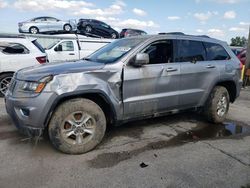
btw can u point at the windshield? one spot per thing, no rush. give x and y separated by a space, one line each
52 45
115 50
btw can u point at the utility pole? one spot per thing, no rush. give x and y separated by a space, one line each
247 64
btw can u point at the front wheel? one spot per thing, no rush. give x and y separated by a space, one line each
88 29
34 30
5 80
114 36
217 105
77 126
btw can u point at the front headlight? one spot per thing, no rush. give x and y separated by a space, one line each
36 87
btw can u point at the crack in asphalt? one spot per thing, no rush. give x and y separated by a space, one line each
227 154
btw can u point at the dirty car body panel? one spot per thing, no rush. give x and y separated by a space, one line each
132 92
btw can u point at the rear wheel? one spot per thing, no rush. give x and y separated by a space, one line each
34 30
67 27
77 126
217 105
5 80
88 29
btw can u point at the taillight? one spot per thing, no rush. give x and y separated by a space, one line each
241 66
126 33
41 59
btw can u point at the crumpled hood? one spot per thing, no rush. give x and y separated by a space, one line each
36 73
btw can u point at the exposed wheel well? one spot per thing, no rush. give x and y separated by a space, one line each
9 72
95 97
231 88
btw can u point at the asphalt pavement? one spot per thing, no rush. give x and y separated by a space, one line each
180 150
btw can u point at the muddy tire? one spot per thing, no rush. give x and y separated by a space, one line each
77 126
5 80
217 105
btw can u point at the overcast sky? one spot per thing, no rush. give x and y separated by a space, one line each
222 19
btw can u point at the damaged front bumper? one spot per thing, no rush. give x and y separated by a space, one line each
29 114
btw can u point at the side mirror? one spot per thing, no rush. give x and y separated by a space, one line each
141 59
58 48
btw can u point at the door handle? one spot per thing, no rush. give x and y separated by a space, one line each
210 66
171 69
71 53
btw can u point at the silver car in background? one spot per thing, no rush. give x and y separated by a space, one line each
46 24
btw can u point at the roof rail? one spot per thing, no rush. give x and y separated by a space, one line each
171 33
202 36
180 33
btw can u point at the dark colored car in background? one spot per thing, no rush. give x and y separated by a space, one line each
236 49
242 56
131 32
96 27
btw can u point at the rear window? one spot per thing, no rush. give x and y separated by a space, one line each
38 46
13 48
190 51
215 52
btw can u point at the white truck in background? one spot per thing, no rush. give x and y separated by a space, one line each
74 49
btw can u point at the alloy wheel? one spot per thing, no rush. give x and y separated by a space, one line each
34 30
88 29
67 28
222 106
4 84
78 128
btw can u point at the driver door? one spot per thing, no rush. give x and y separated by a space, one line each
154 87
64 51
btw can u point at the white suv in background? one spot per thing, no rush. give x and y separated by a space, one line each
17 52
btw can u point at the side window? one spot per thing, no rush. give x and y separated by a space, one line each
13 48
104 25
160 52
67 46
189 50
51 19
40 20
215 52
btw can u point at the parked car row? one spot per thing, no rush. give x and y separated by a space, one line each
84 26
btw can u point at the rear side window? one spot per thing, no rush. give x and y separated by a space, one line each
215 52
190 51
13 48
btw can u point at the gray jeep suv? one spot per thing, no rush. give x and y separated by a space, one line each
132 78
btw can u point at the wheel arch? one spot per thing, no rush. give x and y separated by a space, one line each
7 72
231 88
67 24
99 97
